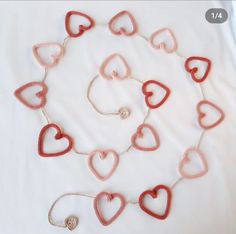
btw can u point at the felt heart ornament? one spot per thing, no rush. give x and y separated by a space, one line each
109 198
41 95
58 136
149 94
122 30
154 193
168 44
202 115
103 155
140 134
186 160
194 70
81 27
53 59
114 74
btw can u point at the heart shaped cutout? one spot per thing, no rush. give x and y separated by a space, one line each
140 134
41 95
154 194
104 154
186 159
149 94
193 70
58 136
81 28
163 44
202 115
114 74
109 197
122 30
54 58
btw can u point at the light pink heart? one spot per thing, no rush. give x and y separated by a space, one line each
114 74
162 45
186 160
103 155
55 56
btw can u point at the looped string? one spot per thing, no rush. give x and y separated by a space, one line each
71 222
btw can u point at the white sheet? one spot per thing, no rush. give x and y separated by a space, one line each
29 183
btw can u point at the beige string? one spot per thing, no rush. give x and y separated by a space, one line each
123 112
54 223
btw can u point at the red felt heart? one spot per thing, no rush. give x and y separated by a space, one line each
122 29
81 28
202 115
58 136
149 94
154 194
110 197
40 95
193 70
139 134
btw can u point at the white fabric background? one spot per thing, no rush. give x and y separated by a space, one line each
29 183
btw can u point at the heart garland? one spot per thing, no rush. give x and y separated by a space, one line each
81 28
54 57
194 70
72 221
58 136
149 94
162 45
122 30
202 115
139 134
103 155
154 194
40 95
114 74
110 197
186 160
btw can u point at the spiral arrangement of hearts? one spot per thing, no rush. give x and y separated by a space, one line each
149 90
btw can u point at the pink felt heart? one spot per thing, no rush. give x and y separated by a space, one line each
140 134
41 95
122 30
109 197
163 45
186 160
55 57
202 115
104 154
114 74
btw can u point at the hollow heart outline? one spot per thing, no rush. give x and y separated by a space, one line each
194 70
122 30
58 136
162 45
41 94
148 94
110 197
139 134
186 159
154 194
55 57
103 154
201 115
81 28
114 74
